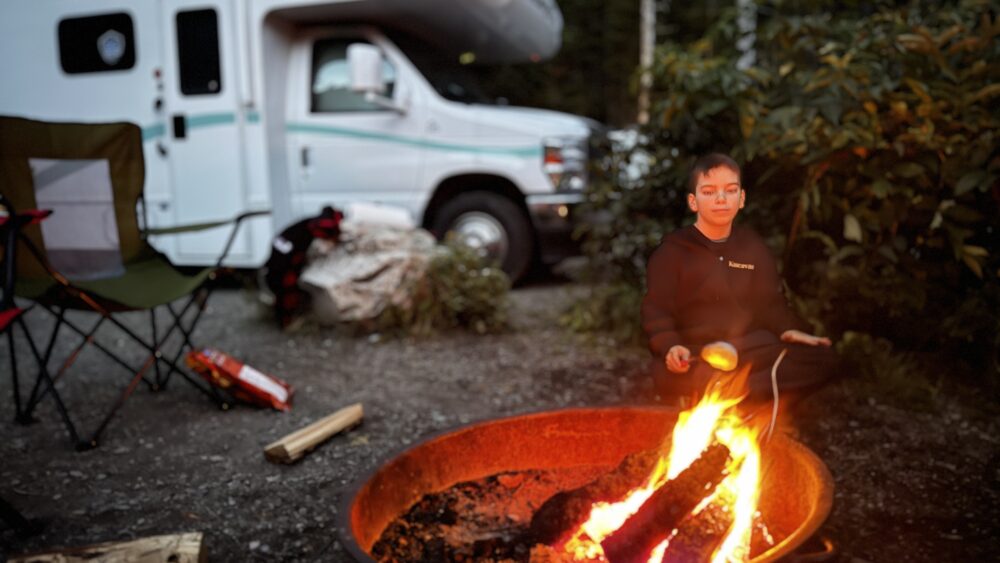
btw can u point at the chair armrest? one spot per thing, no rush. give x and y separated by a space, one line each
195 227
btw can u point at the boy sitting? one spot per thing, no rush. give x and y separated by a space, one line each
715 281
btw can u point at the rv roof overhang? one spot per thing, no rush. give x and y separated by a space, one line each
495 31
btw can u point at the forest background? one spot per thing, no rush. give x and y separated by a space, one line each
868 132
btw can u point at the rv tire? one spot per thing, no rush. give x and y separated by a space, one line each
494 225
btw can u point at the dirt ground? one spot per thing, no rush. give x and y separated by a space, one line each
910 485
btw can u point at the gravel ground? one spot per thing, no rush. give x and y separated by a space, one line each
910 486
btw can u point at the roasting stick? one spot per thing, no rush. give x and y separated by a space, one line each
295 445
774 388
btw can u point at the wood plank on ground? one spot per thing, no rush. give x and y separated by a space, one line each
295 445
177 548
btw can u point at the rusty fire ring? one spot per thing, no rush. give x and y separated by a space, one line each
383 493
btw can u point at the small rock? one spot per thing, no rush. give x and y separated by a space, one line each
254 545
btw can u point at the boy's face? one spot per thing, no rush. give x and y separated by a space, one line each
717 196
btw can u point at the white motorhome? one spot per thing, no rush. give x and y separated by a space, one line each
257 104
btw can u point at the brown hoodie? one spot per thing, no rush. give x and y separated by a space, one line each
699 291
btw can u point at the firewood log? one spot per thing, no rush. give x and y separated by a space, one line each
662 511
565 511
699 535
292 447
182 548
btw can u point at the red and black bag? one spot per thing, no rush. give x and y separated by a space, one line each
242 381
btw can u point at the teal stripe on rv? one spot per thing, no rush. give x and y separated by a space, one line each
208 119
153 131
526 152
195 121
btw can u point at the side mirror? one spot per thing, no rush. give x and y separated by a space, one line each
365 63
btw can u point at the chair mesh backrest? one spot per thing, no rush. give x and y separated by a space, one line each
91 176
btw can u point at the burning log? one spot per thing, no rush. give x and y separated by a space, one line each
666 508
699 535
564 512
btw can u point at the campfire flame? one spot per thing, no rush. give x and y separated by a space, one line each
714 418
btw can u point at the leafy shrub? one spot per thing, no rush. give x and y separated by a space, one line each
871 161
612 309
459 292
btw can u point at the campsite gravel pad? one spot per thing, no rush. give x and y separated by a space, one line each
910 486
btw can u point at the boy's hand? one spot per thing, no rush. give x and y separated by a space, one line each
799 337
678 359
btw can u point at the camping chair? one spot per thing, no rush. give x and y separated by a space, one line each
93 254
11 315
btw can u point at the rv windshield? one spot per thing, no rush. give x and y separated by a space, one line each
453 81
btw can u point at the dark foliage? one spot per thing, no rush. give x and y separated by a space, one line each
872 166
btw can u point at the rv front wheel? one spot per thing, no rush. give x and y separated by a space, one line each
493 225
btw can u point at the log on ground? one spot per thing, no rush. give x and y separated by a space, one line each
179 548
292 447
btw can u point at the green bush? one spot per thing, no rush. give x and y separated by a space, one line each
871 161
459 292
612 309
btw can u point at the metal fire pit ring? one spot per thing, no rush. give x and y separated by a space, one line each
796 494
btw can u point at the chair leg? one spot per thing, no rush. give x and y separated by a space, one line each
95 437
156 354
201 298
37 394
186 332
185 336
43 375
156 344
88 338
18 415
32 400
45 384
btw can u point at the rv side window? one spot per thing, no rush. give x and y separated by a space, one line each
96 43
198 52
331 79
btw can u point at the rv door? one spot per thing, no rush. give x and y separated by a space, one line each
205 146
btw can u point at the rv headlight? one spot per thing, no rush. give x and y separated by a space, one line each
564 161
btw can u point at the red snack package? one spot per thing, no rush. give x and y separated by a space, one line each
244 382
